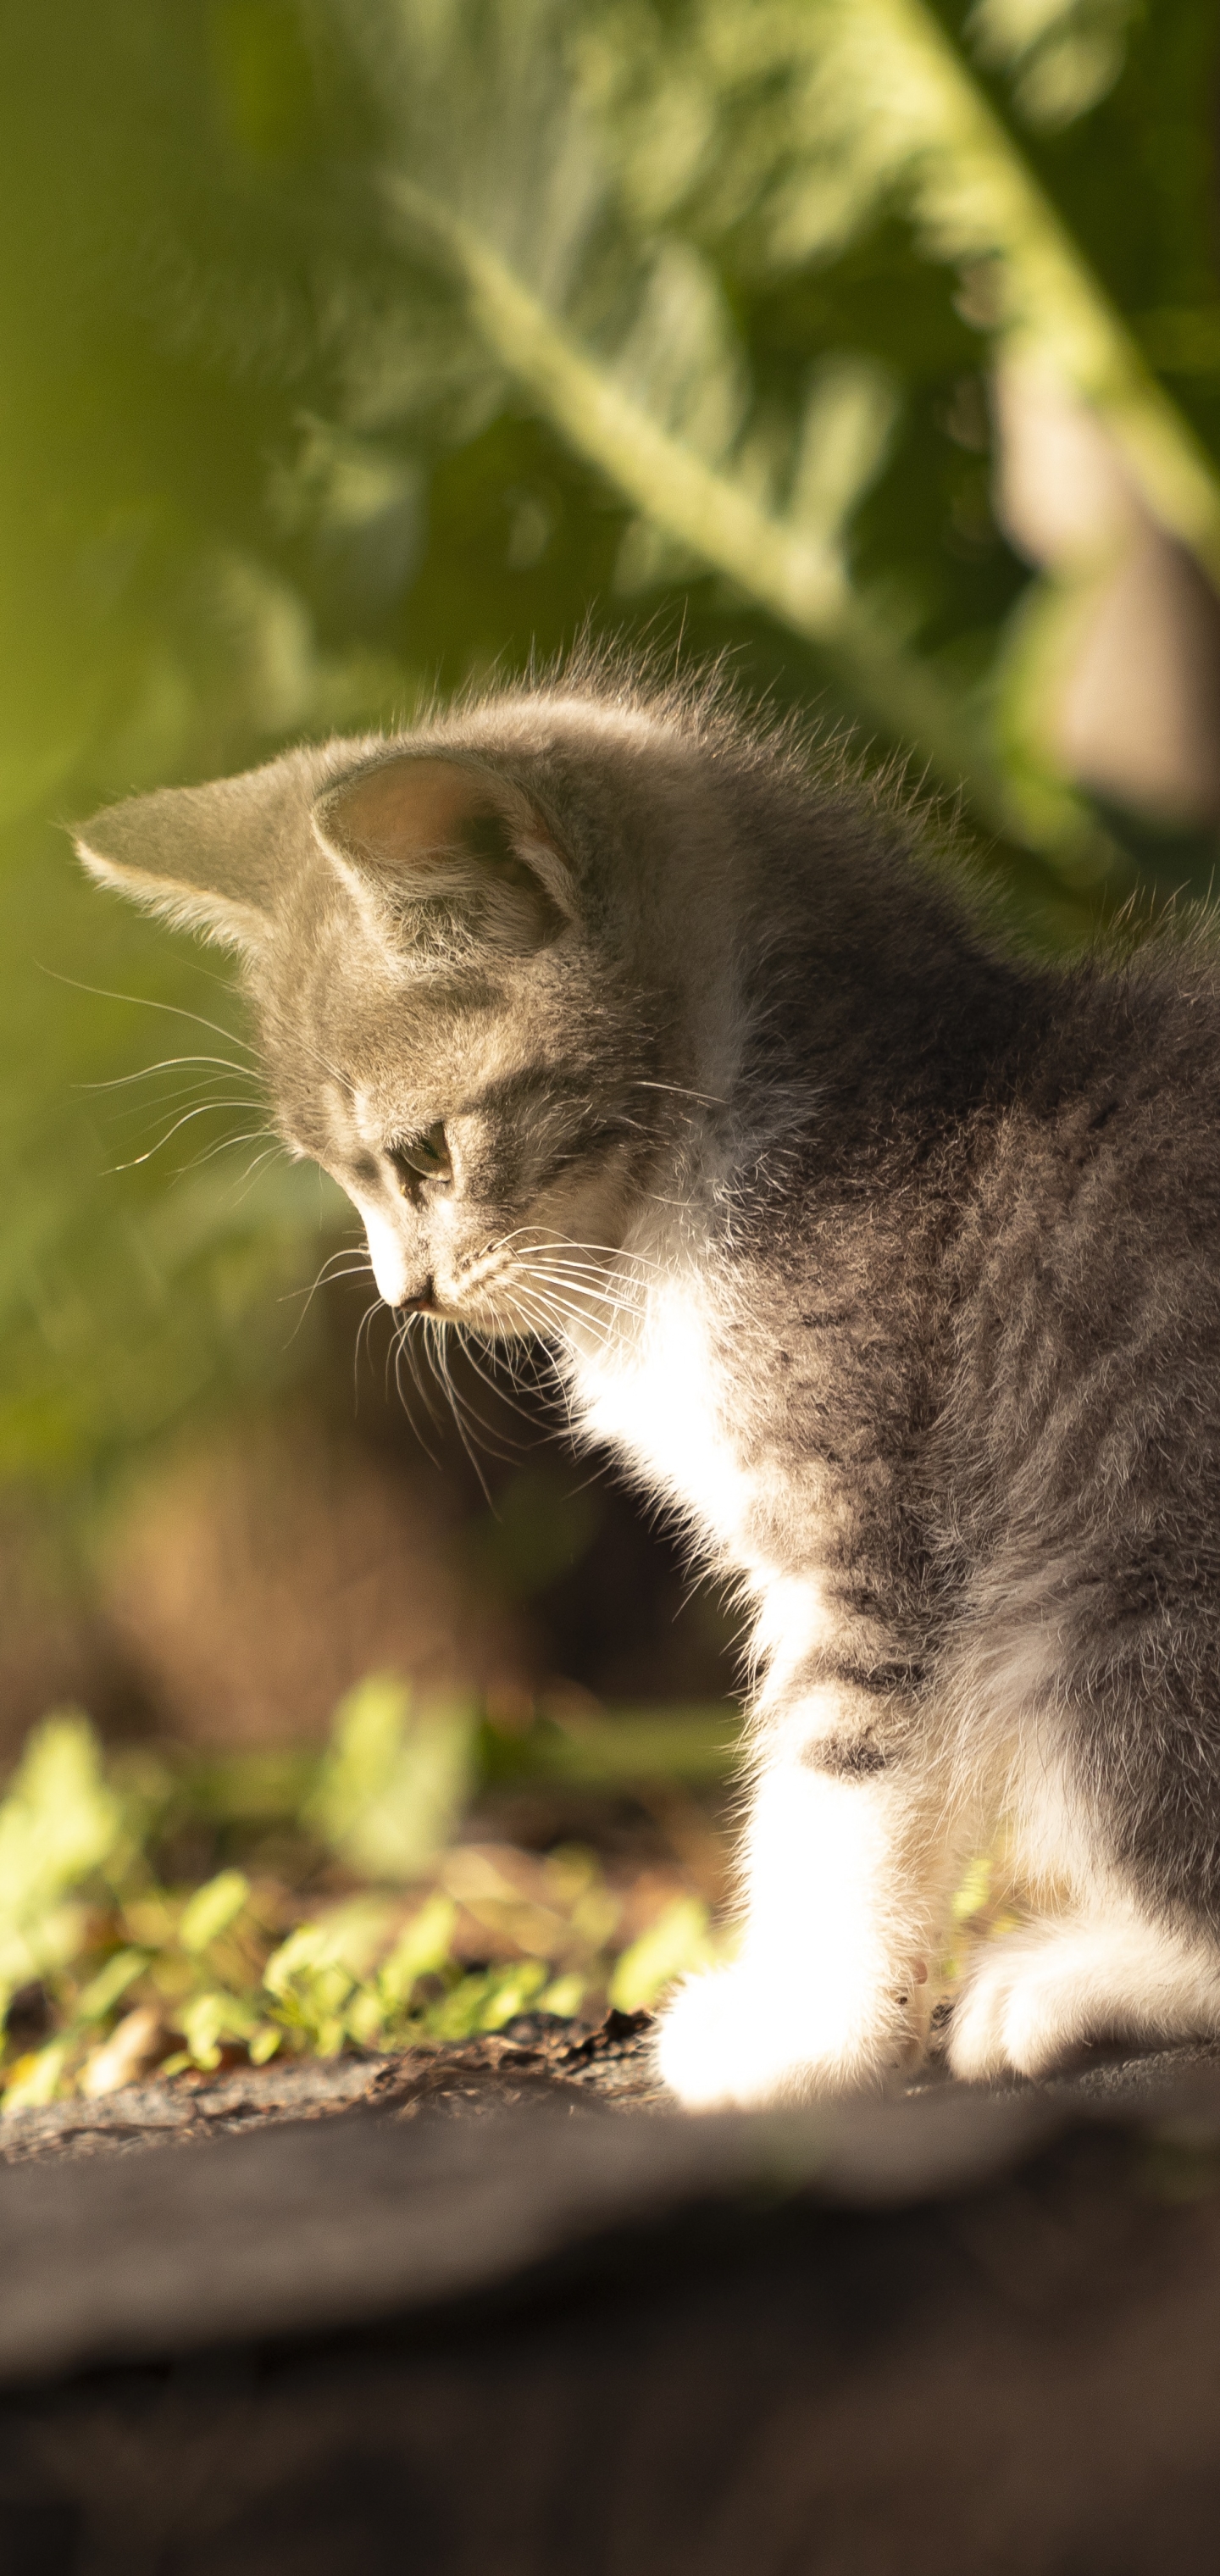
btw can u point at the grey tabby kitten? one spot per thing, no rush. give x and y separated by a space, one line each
890 1261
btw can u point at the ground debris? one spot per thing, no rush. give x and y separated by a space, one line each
536 2056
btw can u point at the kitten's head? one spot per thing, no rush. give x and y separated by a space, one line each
474 966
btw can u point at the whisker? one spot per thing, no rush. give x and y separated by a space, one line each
177 1092
165 1064
271 1154
434 1333
229 1144
558 1393
463 1406
630 1295
177 1010
322 1277
401 1347
470 1338
353 1251
498 1440
709 1099
578 1287
201 1111
568 1243
361 1329
408 1345
143 1001
562 1302
588 1291
553 1326
358 1270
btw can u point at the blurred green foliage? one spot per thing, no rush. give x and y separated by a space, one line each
362 1913
163 1911
393 1781
353 347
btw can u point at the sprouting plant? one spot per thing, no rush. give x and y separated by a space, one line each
382 1924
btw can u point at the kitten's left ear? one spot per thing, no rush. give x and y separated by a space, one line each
211 858
423 841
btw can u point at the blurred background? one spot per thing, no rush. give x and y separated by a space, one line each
357 348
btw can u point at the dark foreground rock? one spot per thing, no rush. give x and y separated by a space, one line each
963 2331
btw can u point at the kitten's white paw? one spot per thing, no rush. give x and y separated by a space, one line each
734 2038
1037 1998
1024 2011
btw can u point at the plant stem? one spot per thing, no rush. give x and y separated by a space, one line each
978 198
804 585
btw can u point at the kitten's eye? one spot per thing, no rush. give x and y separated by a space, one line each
421 1158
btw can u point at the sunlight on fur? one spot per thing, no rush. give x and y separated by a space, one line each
886 1260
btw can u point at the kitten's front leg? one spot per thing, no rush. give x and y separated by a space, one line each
848 1868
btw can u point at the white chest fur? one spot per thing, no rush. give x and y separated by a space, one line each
656 1394
652 1392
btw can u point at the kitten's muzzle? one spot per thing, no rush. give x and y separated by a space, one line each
418 1301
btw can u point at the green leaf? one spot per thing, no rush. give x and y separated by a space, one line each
395 1780
211 2017
35 2080
58 1825
678 1942
103 1990
314 1977
1063 54
487 2001
420 1951
344 1940
564 1997
212 1909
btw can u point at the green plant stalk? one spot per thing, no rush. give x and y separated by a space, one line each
692 1745
970 184
804 585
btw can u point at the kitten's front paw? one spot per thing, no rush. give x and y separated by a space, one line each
734 2039
1035 2000
1022 2013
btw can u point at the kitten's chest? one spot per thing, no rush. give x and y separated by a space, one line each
658 1392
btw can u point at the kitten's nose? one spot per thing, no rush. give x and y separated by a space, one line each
416 1301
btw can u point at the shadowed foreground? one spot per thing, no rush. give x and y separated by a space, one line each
962 2331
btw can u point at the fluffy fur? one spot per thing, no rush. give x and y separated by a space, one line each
890 1261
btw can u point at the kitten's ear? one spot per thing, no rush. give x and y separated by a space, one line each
209 858
420 835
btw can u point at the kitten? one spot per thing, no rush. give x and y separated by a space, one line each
889 1261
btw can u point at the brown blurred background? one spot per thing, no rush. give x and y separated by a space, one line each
233 1588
